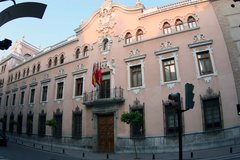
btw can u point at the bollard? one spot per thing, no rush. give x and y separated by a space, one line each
191 154
230 150
63 151
33 145
153 156
83 154
42 147
107 156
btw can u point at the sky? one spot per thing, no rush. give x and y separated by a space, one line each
60 19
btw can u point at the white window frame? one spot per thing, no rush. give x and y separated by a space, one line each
56 87
129 65
31 88
74 86
210 50
161 59
44 85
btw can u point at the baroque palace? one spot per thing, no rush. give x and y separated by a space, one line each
144 54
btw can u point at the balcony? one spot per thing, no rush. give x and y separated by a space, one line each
103 96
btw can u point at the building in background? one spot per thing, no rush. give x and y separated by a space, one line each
125 59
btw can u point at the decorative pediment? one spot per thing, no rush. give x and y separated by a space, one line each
210 94
166 47
199 40
136 104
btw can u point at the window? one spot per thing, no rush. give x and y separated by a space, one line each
38 67
212 114
0 101
167 28
77 54
34 69
19 75
32 94
59 90
42 124
179 25
7 99
11 123
139 35
27 71
204 63
105 44
128 38
55 61
22 97
169 70
85 51
19 123
191 22
44 93
15 78
104 89
77 124
136 76
57 131
24 72
78 87
29 123
13 99
49 63
62 59
4 123
171 121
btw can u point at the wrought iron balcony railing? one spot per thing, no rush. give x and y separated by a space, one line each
103 96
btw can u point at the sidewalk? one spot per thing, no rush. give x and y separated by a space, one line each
222 153
211 154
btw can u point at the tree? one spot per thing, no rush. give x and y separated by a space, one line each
51 123
133 118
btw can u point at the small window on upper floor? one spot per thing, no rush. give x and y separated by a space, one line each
128 38
167 28
49 63
38 67
15 77
85 51
62 59
77 54
55 61
28 71
34 69
192 22
139 35
19 74
105 44
24 72
179 25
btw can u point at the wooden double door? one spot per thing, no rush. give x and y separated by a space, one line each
106 133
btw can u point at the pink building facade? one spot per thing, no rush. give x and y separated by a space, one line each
145 55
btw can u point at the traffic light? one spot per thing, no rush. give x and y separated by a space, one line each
238 109
5 44
174 100
189 95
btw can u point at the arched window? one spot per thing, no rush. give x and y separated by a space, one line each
179 25
24 72
38 67
139 35
191 22
55 61
166 28
15 76
49 63
62 59
27 71
85 50
128 38
105 44
19 74
34 69
77 53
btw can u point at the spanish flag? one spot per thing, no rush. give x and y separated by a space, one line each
99 74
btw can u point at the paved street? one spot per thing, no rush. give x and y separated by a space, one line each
30 152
